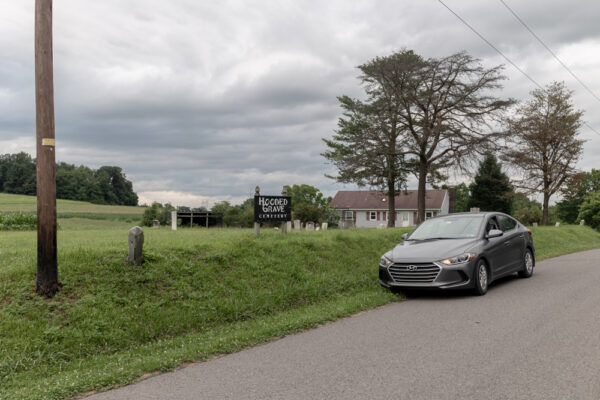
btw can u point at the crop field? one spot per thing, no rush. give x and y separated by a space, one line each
69 208
200 292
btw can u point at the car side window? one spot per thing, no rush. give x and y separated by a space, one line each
491 225
507 223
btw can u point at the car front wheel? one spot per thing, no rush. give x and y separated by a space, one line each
527 270
481 278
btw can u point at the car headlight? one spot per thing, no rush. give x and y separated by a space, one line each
461 259
385 261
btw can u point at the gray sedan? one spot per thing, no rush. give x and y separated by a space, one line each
459 251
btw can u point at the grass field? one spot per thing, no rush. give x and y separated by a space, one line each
69 208
199 293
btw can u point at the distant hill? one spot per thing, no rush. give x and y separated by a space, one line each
105 185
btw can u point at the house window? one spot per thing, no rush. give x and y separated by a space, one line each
348 215
373 216
428 215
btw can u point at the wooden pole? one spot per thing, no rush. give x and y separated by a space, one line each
284 224
257 224
47 267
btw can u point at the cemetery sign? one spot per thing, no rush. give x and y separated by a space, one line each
272 208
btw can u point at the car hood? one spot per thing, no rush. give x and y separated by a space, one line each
430 250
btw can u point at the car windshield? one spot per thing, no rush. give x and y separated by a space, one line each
455 227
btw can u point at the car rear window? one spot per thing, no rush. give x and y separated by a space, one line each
507 223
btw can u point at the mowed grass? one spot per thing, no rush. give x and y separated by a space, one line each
16 202
199 293
551 241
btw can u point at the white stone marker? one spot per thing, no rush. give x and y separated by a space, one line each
297 225
582 222
174 220
557 224
310 226
155 224
324 226
535 224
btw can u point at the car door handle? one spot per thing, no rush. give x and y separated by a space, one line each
521 235
507 243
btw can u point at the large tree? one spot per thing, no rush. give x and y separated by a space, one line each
424 115
367 149
542 141
447 107
491 190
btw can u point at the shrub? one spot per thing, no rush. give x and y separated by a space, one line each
590 209
528 214
17 221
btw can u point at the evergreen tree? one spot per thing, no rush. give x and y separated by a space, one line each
491 190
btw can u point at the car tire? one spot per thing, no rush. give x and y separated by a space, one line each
482 278
528 265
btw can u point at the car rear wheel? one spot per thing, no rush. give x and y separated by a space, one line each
527 270
482 279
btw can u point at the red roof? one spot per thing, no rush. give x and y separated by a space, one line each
377 200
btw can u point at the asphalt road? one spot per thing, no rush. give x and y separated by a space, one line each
535 338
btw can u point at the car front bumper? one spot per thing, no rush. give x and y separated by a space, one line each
424 275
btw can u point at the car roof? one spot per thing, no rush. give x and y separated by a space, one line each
482 213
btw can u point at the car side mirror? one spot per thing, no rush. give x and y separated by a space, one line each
404 236
493 233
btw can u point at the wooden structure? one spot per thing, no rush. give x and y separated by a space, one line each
198 218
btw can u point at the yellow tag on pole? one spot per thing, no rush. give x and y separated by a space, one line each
48 142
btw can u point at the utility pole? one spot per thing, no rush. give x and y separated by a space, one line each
47 267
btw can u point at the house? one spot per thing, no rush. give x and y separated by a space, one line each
369 208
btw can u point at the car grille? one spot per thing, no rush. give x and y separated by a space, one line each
414 273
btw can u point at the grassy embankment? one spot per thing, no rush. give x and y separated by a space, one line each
199 293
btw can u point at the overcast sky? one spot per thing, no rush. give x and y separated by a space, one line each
200 101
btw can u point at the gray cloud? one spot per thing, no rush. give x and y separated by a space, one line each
199 101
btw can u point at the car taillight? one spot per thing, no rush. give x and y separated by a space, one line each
528 231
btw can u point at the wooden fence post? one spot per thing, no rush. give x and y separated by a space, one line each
256 224
284 223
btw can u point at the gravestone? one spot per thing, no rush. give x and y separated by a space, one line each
174 220
297 225
310 226
557 224
324 226
582 222
535 224
155 223
288 226
136 246
474 209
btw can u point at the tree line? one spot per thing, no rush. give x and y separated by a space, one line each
492 189
308 205
105 185
430 117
